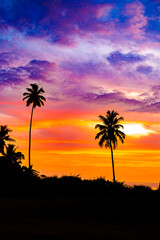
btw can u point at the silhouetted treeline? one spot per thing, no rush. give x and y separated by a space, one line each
16 179
46 207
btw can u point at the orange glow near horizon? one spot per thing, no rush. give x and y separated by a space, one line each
67 146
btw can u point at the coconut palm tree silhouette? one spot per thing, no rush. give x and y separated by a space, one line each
33 96
4 137
12 155
109 133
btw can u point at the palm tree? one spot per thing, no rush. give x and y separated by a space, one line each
109 133
4 137
12 155
33 97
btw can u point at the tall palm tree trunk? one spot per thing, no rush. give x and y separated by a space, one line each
112 162
29 155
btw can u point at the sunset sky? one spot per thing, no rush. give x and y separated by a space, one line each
90 56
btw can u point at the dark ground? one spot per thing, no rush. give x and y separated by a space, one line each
74 212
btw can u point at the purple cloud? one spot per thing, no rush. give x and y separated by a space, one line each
136 22
147 104
12 76
6 58
112 97
81 69
38 69
150 101
155 88
54 99
35 69
62 21
144 69
120 58
3 62
57 20
154 108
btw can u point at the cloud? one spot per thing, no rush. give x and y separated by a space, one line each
38 69
6 58
67 22
54 99
57 20
112 97
121 58
136 20
143 103
151 101
35 69
12 76
85 68
62 21
144 69
154 108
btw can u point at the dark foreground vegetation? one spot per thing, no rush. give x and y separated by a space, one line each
68 208
48 208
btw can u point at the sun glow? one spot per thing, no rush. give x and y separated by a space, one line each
130 128
136 129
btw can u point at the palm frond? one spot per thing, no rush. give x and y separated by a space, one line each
26 93
41 90
34 87
107 143
103 119
28 102
41 102
25 97
102 140
7 138
112 114
117 120
117 126
121 133
4 137
101 127
121 138
99 134
29 90
115 143
41 97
